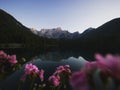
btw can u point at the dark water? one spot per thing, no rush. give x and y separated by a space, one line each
55 55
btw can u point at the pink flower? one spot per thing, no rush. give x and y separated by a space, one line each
33 71
79 80
41 74
30 68
12 59
61 69
2 54
110 64
67 66
54 80
61 74
6 60
91 66
3 57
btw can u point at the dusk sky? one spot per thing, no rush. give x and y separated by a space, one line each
71 15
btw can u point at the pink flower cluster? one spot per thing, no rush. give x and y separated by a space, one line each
109 65
62 69
55 79
6 62
32 71
79 81
4 58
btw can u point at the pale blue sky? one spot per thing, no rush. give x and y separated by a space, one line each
72 15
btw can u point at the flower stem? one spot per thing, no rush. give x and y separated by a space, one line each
31 85
20 85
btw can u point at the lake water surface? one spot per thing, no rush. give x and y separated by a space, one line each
55 55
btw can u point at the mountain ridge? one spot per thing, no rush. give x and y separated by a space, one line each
105 38
56 33
13 32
